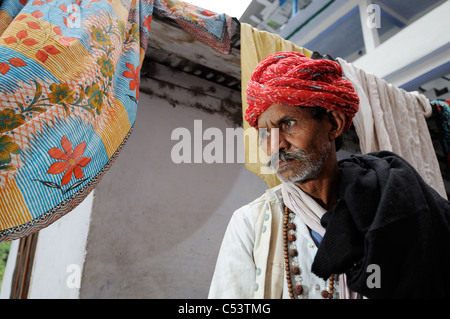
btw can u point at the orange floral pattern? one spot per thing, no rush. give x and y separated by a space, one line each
133 74
70 161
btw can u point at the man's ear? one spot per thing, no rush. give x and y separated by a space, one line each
338 122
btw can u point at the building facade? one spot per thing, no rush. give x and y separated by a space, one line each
403 42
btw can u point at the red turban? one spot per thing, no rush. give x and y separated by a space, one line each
293 79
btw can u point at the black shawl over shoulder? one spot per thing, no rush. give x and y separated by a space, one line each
387 216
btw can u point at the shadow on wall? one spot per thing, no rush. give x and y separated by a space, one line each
157 226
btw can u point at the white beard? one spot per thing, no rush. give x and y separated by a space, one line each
309 169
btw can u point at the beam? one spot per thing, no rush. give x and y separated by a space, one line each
180 44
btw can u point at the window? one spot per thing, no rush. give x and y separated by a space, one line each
395 15
343 39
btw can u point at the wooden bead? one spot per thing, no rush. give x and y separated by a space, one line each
291 226
296 270
298 289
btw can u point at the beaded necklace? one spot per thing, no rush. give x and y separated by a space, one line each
288 237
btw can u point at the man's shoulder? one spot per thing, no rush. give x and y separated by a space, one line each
255 211
381 161
270 195
371 156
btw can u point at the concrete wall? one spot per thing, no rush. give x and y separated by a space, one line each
157 226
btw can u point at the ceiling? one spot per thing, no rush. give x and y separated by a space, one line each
171 46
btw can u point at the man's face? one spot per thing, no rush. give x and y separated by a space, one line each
297 143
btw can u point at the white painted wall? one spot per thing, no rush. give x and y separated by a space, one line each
419 48
60 255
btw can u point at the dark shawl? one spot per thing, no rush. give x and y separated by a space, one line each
388 216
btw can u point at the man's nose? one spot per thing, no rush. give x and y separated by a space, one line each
277 141
274 140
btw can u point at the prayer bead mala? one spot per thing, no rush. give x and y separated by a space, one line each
290 237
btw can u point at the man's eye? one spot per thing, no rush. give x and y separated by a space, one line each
288 124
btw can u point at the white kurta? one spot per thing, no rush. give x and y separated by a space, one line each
237 273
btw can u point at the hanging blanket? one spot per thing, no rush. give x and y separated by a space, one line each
69 87
441 109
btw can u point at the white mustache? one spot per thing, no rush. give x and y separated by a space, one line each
286 156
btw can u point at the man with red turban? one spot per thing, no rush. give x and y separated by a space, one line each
365 226
293 79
